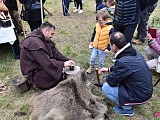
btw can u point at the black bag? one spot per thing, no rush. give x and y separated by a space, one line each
5 22
25 15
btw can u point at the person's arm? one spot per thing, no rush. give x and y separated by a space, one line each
108 13
93 35
153 43
108 47
119 73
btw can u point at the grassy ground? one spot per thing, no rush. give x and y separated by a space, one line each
71 37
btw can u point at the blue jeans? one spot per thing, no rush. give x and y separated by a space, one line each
112 94
101 57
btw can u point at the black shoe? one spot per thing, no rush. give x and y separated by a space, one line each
66 14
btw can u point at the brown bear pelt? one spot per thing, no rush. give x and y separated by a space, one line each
71 99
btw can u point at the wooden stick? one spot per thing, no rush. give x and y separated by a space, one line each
97 76
47 11
41 10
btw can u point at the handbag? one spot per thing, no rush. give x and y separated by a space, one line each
158 65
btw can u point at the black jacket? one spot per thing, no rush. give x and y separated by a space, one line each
128 12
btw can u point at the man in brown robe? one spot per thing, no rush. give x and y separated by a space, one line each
40 61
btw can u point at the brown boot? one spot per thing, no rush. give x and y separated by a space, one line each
89 70
137 42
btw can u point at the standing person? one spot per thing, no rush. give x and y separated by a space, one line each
97 3
65 7
143 24
79 6
34 10
130 80
13 11
40 61
127 16
100 40
153 50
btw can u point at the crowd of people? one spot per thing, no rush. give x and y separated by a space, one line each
129 81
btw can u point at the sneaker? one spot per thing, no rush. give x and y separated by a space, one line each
66 14
81 11
137 42
119 110
89 70
76 10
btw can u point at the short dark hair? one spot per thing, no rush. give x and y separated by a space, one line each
101 14
47 25
118 39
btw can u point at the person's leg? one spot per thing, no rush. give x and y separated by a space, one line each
34 24
150 53
119 28
128 32
16 20
81 5
101 58
78 4
111 92
142 27
16 48
94 55
65 6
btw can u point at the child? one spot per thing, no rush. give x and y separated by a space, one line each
100 40
107 6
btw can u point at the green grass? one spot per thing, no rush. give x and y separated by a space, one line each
72 37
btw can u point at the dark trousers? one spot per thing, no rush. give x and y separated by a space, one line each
143 24
34 24
65 6
79 4
16 48
127 31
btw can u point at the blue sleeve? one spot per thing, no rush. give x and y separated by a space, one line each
93 35
111 31
108 47
119 73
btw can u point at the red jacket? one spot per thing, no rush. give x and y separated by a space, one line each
40 61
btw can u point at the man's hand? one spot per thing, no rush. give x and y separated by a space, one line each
103 70
69 63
